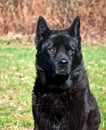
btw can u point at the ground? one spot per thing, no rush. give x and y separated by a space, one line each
17 74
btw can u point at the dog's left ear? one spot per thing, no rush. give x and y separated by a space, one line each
74 30
42 30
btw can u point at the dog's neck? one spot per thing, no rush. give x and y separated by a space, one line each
45 87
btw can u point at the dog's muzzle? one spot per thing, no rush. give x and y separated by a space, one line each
62 66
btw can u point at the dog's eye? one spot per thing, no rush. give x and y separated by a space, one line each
71 52
51 49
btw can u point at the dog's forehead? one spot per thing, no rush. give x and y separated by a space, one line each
59 38
62 39
56 34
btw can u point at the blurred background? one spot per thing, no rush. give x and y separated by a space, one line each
18 20
20 16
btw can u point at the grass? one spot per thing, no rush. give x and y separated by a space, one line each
17 74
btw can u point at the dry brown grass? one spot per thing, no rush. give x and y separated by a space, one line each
20 16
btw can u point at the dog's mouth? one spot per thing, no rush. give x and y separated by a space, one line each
61 73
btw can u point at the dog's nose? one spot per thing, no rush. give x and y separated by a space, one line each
62 63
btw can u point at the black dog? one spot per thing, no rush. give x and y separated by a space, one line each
61 97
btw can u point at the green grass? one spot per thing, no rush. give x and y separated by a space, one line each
17 74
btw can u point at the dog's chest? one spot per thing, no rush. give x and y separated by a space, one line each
53 106
60 111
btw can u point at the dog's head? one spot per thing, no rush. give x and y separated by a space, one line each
58 51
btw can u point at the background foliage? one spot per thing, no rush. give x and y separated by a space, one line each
20 16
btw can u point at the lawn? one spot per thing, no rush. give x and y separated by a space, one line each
17 74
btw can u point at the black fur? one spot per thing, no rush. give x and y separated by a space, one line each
61 98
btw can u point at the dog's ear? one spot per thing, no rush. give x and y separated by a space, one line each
42 30
74 30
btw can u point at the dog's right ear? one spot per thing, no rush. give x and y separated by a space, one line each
42 30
